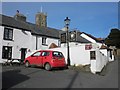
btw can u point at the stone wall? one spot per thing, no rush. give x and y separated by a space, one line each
118 52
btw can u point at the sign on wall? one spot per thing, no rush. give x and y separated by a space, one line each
88 47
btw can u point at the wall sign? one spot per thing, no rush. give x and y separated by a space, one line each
88 47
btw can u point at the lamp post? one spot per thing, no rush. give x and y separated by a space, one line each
67 22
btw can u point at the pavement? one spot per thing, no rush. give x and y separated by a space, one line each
35 77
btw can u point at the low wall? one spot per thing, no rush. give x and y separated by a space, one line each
118 52
100 62
78 55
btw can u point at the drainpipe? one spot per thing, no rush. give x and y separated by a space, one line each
36 42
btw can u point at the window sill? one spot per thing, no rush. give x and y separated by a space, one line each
8 39
44 44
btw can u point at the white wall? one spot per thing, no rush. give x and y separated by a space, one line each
100 62
49 41
43 47
78 54
20 40
1 37
107 54
23 39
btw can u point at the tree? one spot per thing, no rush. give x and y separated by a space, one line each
113 39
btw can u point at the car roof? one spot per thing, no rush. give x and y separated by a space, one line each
46 50
49 50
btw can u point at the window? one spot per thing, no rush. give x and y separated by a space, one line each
8 34
7 52
57 54
45 53
37 54
59 43
63 38
92 55
43 40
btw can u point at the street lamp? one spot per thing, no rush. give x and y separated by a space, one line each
67 22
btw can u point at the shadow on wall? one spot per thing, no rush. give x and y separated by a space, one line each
12 78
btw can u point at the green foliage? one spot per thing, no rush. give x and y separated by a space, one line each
113 38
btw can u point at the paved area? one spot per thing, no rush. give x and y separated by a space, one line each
21 77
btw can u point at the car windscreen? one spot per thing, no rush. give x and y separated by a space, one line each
57 54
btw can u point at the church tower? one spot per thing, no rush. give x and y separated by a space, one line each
41 19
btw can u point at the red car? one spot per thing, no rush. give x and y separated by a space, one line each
46 58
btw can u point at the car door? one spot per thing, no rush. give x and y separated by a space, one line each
34 58
45 56
39 59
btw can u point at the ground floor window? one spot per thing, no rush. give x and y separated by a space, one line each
92 55
7 52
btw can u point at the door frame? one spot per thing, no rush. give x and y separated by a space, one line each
23 53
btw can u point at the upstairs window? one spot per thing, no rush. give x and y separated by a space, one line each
8 33
44 41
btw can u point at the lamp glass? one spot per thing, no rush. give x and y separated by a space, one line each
67 21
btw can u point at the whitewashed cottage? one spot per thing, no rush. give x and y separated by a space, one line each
17 36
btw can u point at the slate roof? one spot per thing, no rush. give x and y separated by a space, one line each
82 40
43 31
96 39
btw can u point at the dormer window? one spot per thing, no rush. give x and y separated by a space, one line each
8 34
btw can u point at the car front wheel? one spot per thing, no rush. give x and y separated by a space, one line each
47 67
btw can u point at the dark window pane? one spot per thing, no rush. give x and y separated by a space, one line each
8 34
43 40
92 55
6 52
45 54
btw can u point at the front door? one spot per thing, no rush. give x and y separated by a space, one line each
23 53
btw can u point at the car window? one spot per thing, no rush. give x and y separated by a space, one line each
57 54
37 54
45 53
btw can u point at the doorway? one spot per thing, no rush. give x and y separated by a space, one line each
23 53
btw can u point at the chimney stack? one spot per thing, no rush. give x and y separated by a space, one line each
20 16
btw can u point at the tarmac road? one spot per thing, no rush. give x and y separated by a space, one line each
21 77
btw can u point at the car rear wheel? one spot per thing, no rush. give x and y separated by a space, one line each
47 67
27 64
